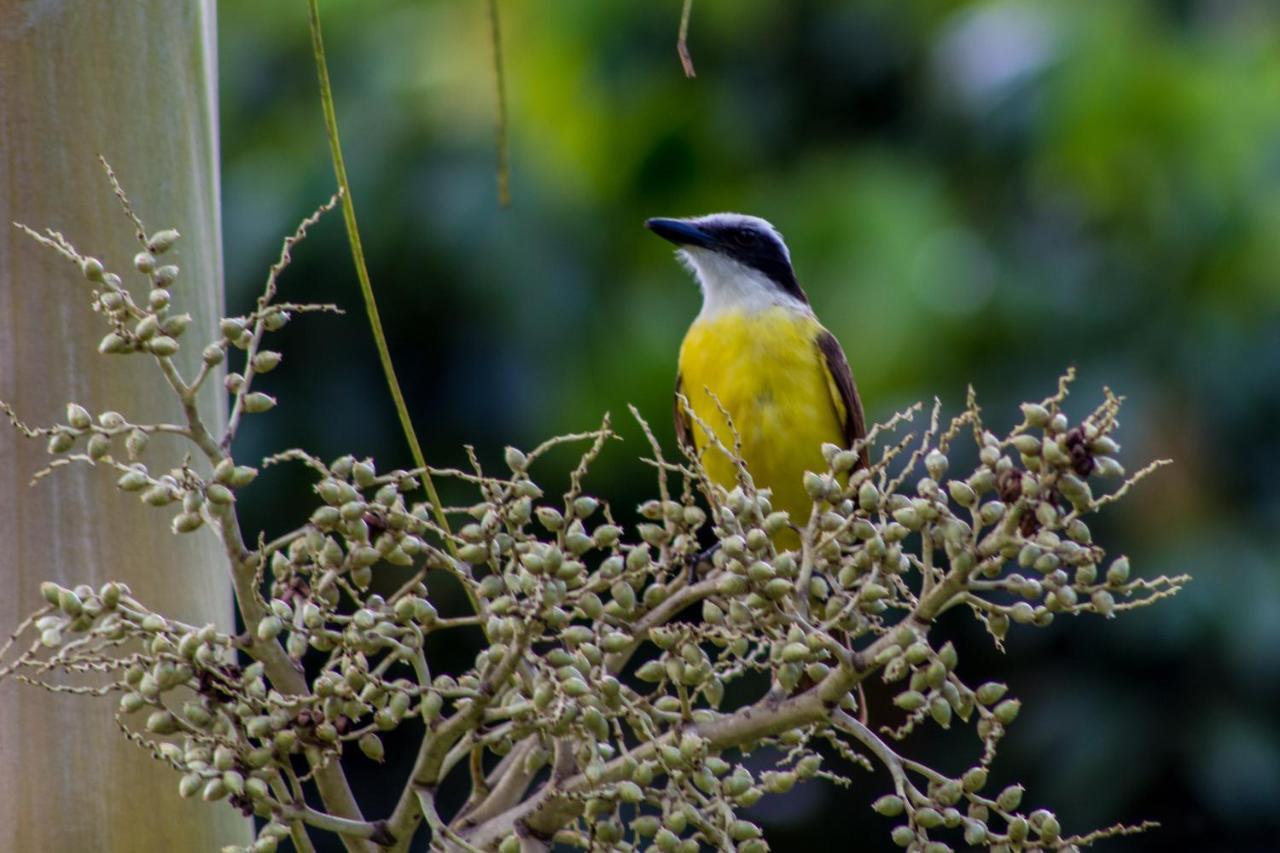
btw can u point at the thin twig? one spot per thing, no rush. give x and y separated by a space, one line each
682 42
140 230
500 87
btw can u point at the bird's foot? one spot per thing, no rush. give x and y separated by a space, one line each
699 558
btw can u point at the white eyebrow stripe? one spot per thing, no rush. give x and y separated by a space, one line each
742 220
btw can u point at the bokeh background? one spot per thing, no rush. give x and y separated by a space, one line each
974 192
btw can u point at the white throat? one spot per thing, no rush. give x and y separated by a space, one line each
732 287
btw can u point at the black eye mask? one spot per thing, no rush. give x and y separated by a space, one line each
764 253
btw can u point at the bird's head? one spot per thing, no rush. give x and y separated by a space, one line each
740 261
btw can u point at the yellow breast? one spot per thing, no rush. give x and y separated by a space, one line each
766 370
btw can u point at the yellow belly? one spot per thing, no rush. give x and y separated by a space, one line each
766 370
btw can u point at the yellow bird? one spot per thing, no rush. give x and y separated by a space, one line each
760 351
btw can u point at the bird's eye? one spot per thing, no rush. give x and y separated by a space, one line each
742 237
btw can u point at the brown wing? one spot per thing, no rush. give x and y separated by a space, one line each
684 429
844 394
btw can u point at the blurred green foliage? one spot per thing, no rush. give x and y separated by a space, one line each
974 192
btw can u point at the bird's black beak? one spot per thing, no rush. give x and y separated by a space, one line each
680 232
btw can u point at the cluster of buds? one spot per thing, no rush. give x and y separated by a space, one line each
181 692
585 656
82 438
363 520
609 653
138 326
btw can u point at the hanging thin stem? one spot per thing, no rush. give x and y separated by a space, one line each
682 42
500 83
362 272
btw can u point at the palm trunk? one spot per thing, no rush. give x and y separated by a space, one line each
136 82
